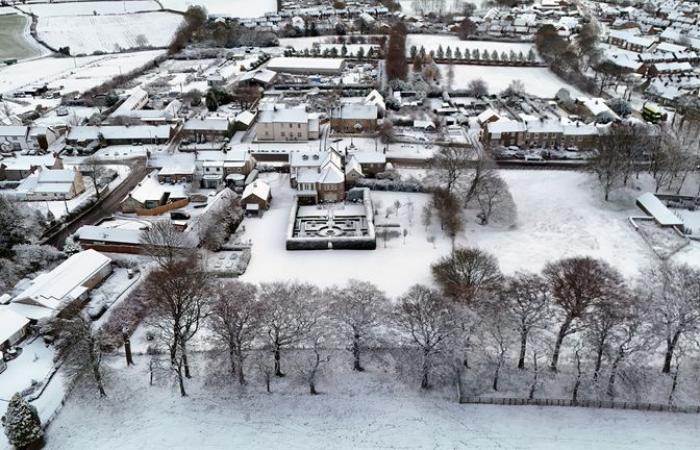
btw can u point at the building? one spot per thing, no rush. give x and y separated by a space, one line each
370 162
214 167
42 137
286 125
50 184
151 194
19 167
58 292
14 138
629 39
504 132
256 197
355 118
318 177
110 239
120 134
261 77
13 328
318 66
177 173
206 130
650 204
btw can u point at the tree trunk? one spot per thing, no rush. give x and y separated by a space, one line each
185 363
577 384
356 353
98 380
278 367
127 348
613 375
557 346
598 361
239 368
495 375
181 382
674 385
425 381
232 360
523 348
670 349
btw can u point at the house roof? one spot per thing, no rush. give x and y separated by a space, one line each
206 125
285 115
65 282
10 324
108 234
369 157
13 130
150 189
306 64
258 189
358 111
56 176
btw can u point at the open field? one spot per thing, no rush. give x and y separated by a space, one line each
226 8
354 411
14 37
109 33
538 81
552 223
90 8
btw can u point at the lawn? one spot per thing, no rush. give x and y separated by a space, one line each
354 411
13 38
551 223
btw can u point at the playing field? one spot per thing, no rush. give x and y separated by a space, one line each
13 41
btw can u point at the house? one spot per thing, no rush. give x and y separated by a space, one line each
14 138
286 125
13 328
260 77
137 99
594 109
629 39
353 171
206 130
213 167
318 66
503 132
244 120
177 173
19 167
318 177
370 162
42 137
110 239
120 134
50 184
355 118
256 197
151 194
57 292
489 115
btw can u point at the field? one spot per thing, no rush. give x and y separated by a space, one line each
226 8
571 220
13 38
538 81
90 8
109 33
354 411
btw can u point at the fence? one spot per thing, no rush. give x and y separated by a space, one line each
162 209
580 403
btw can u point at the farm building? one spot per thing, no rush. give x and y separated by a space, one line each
320 66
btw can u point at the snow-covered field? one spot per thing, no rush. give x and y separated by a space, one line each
227 8
90 8
109 33
552 223
72 74
15 40
416 7
538 81
433 41
354 411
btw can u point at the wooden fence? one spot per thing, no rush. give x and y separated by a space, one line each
580 403
162 209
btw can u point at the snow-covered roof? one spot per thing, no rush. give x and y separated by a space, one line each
262 75
206 125
486 115
306 64
26 162
65 282
245 117
10 324
284 115
370 157
652 205
505 126
150 189
13 130
258 188
56 176
306 159
108 234
358 111
331 174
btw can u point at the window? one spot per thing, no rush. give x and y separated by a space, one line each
298 125
299 134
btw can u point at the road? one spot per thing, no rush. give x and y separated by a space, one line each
107 206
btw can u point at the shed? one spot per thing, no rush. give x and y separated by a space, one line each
650 204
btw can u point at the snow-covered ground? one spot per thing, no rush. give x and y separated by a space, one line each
72 74
560 214
538 81
226 8
354 411
433 41
90 8
109 33
416 7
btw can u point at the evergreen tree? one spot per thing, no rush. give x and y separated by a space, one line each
440 52
448 53
485 55
494 55
504 56
344 50
475 54
458 53
521 56
531 55
414 52
211 101
22 424
361 53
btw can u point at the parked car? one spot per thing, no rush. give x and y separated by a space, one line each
11 353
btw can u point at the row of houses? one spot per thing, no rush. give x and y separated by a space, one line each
21 138
505 132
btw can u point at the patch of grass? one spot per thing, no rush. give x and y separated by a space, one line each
13 43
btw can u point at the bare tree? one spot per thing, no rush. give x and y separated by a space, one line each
466 273
527 300
311 366
178 299
632 336
577 285
491 192
674 290
497 336
80 348
478 88
428 322
450 164
95 170
359 308
291 310
165 244
235 315
608 315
